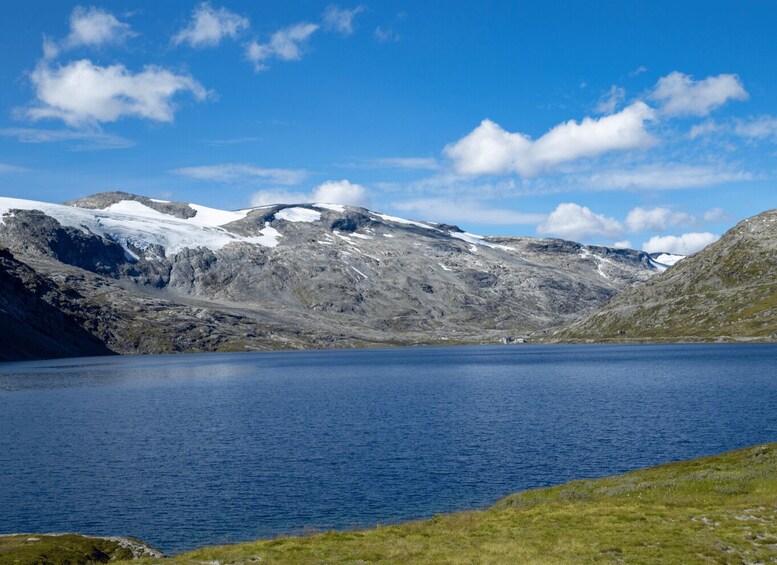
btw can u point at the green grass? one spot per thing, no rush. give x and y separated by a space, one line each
719 509
59 550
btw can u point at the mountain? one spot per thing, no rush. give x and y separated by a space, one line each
148 275
728 291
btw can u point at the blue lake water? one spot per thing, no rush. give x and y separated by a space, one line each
183 451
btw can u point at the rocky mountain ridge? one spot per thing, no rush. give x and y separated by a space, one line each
160 276
728 291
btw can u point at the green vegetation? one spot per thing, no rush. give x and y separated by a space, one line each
720 509
60 549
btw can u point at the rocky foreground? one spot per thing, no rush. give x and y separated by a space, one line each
130 274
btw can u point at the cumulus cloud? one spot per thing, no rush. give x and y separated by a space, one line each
685 244
287 44
465 211
572 221
209 26
490 150
94 27
342 192
239 172
655 219
330 192
661 176
340 20
78 140
82 93
610 100
680 95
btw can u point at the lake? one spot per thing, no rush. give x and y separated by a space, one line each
184 451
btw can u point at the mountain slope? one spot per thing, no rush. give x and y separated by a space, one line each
308 275
726 291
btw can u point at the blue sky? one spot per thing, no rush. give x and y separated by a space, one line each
644 124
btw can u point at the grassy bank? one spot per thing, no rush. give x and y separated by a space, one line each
720 509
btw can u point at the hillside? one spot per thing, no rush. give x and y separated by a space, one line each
711 510
154 276
727 291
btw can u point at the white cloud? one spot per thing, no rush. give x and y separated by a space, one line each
239 172
680 95
265 197
446 210
662 176
79 140
93 27
760 127
610 100
625 244
82 93
715 215
287 44
704 129
330 192
209 26
339 19
342 192
490 150
385 35
408 163
638 71
6 168
685 244
572 221
655 219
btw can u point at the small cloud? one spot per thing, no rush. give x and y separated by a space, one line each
6 168
704 129
428 163
655 219
761 127
342 192
78 140
287 44
638 71
93 27
266 197
625 244
447 210
83 94
610 100
209 26
715 215
238 172
685 244
386 35
680 95
340 20
662 176
490 150
330 192
230 141
572 221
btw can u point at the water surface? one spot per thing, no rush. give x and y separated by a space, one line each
184 451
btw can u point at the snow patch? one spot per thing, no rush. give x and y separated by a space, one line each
444 268
478 240
669 259
333 207
396 220
298 215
